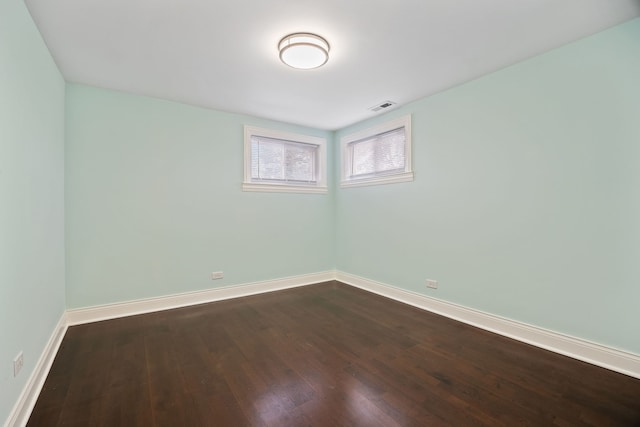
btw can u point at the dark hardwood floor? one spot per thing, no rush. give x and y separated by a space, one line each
321 355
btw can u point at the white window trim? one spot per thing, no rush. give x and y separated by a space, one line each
405 176
319 187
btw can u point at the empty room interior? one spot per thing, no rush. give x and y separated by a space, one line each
432 217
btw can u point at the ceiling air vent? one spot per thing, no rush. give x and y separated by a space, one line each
382 106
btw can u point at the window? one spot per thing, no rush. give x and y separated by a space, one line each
277 161
378 155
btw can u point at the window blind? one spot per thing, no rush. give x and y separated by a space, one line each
378 154
280 160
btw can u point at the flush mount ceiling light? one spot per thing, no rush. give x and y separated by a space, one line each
303 50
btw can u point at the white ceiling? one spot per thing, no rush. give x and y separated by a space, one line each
222 54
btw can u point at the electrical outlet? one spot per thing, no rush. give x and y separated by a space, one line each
18 363
433 284
217 275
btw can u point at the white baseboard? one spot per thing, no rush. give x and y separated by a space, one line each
129 308
22 409
596 354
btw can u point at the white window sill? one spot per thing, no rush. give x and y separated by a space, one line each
274 188
390 179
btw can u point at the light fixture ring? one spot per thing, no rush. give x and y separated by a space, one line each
304 50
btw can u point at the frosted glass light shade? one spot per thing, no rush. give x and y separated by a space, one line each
304 51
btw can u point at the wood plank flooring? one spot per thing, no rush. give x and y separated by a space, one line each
320 355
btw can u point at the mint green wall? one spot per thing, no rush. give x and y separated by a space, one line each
31 197
526 199
154 203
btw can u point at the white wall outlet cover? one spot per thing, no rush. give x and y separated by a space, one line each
18 363
433 284
217 275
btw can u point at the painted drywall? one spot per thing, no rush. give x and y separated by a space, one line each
154 203
525 202
31 198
